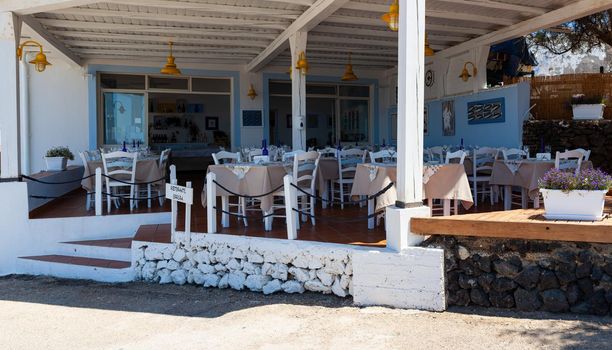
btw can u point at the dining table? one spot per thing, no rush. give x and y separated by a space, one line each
440 181
525 174
255 179
147 170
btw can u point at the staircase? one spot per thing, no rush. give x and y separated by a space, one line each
103 260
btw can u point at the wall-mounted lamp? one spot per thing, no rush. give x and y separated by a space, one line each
40 61
465 75
392 17
251 93
428 50
302 63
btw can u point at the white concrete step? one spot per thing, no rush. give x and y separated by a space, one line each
113 249
64 266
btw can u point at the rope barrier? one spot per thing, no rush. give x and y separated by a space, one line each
352 219
56 183
247 196
239 215
132 198
133 183
377 194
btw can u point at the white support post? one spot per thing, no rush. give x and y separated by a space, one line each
290 203
98 194
10 31
297 43
409 128
174 208
172 172
211 202
188 214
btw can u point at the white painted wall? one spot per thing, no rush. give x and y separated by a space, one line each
58 111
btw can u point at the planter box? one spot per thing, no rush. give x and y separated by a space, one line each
588 112
573 205
56 163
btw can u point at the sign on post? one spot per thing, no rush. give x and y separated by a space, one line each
179 193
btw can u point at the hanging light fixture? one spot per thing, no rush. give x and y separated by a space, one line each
251 93
170 67
40 61
392 17
302 63
428 50
349 75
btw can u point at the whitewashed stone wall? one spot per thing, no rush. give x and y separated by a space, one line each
260 265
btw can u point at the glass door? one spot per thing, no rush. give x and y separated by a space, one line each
124 117
354 116
320 122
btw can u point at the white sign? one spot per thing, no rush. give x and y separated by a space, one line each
179 193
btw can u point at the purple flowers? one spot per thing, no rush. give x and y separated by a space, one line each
587 179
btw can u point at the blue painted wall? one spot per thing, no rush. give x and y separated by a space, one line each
506 134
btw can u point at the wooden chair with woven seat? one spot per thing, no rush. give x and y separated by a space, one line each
347 166
225 157
120 166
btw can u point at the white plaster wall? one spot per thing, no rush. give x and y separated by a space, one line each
58 111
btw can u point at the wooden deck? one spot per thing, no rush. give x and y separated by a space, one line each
520 223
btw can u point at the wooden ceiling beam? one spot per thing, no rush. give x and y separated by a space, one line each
500 6
28 7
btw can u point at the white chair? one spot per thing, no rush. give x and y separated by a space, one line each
89 199
381 156
253 152
291 155
121 166
161 188
513 154
305 167
451 156
347 165
437 154
223 157
482 165
328 152
586 153
569 160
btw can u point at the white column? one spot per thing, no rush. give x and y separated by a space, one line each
297 42
409 127
10 29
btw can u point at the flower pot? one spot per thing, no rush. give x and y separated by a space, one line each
56 163
573 205
588 112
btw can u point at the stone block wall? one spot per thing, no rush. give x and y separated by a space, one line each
260 265
527 275
569 134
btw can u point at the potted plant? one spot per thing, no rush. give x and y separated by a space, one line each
57 158
586 108
571 196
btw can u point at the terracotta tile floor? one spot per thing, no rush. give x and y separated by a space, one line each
333 225
75 260
109 243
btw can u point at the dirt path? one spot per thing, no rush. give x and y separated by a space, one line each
46 313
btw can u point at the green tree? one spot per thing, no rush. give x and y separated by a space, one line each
578 36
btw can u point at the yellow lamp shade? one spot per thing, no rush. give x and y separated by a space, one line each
428 50
302 63
40 62
349 75
170 67
392 17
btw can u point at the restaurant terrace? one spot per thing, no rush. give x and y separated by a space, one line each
331 146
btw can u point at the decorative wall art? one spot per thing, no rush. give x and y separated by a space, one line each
212 123
448 118
486 111
252 118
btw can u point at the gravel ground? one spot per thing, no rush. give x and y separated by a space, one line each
48 313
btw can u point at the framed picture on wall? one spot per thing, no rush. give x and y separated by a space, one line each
486 111
212 123
448 118
426 120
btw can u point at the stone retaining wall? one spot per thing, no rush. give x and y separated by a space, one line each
569 134
527 275
260 265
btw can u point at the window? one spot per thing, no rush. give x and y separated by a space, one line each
122 81
163 83
354 91
124 116
211 85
